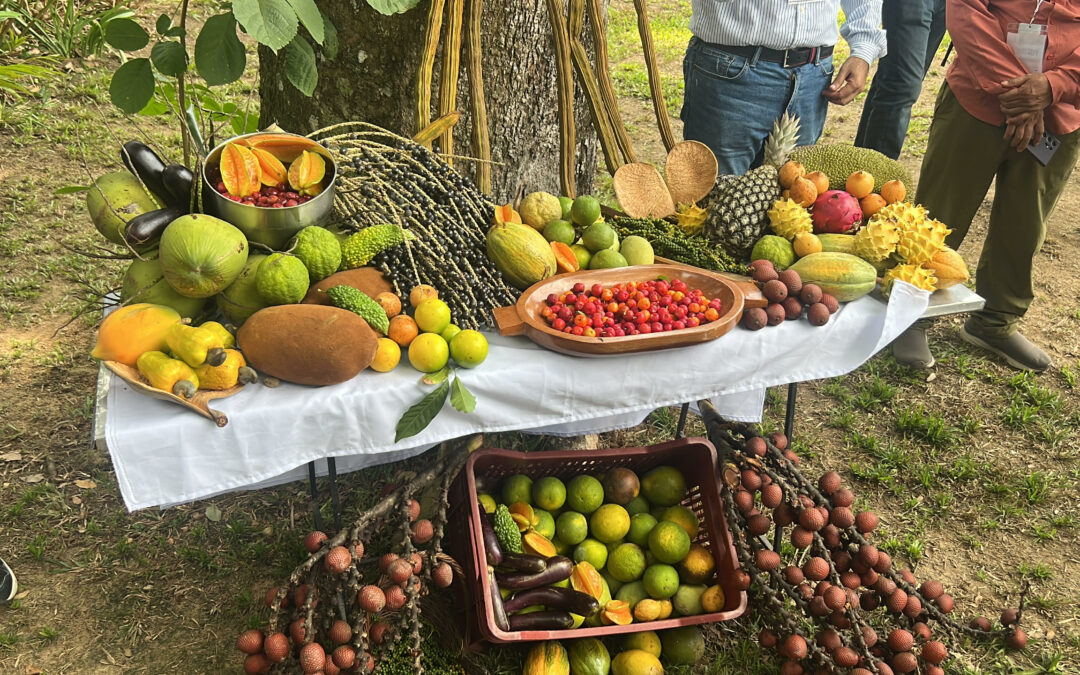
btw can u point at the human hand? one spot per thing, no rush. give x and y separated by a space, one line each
1023 129
849 81
1029 93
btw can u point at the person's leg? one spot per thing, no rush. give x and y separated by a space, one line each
899 77
937 33
1025 197
730 103
807 103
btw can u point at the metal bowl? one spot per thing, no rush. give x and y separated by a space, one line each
269 226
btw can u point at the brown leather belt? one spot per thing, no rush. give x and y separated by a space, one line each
787 58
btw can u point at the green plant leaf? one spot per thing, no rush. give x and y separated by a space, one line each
154 108
270 22
392 6
71 189
461 398
163 23
300 68
416 418
132 86
436 377
213 513
311 17
175 31
219 54
169 58
330 44
126 35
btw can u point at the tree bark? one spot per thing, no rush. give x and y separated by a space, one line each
373 79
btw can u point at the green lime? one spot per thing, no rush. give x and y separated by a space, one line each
669 542
609 523
319 250
641 524
607 259
646 641
545 523
597 236
583 256
664 486
487 502
685 517
613 584
282 279
516 488
632 593
687 600
468 347
661 581
432 315
571 527
549 493
566 203
559 230
585 210
591 551
584 494
449 332
637 505
626 563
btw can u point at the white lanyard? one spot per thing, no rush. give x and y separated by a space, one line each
1038 4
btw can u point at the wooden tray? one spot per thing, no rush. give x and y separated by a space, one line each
523 318
198 403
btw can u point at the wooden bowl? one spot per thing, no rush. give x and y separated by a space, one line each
523 318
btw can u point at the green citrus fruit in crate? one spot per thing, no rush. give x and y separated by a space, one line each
687 600
646 640
609 523
516 488
661 581
571 527
638 505
549 493
669 542
683 646
626 563
636 662
664 486
592 552
584 494
545 524
698 565
685 517
641 524
632 593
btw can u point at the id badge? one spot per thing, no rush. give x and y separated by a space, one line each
1028 42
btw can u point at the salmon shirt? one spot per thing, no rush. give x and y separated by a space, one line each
984 60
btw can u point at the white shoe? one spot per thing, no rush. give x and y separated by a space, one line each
9 586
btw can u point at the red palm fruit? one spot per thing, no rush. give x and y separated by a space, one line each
378 632
858 566
841 516
821 588
818 607
843 497
829 482
422 532
330 668
313 542
845 657
805 591
945 602
805 502
414 510
883 668
904 662
868 578
250 641
980 623
816 569
358 549
869 636
766 561
300 594
850 580
337 560
442 574
900 640
908 576
869 601
271 594
756 445
744 500
312 657
866 521
794 647
913 608
741 580
276 647
1009 616
395 597
779 440
931 589
885 586
385 560
256 664
1017 639
783 515
933 670
751 480
842 560
399 571
801 537
921 630
344 657
868 554
793 575
811 519
771 496
297 631
934 652
767 639
830 536
897 601
758 525
884 563
791 668
340 632
791 457
829 640
417 562
861 671
365 663
835 598
371 599
840 620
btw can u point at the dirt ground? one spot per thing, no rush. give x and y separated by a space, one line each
973 469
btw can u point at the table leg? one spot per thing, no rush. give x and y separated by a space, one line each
331 466
314 495
682 420
789 414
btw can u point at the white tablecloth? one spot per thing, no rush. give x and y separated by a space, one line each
166 455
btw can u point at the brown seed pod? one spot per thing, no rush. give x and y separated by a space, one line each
829 482
793 309
758 525
921 630
256 664
741 580
385 560
764 274
1016 639
371 599
276 647
841 516
818 607
775 314
312 657
330 668
1009 616
900 640
897 601
313 542
945 603
791 457
869 636
774 290
442 574
908 576
766 561
756 445
340 632
866 521
300 594
816 569
271 594
835 598
422 532
337 560
818 314
845 657
792 280
841 560
869 601
934 652
779 440
767 639
365 663
904 662
250 641
379 629
931 589
399 571
751 480
821 588
885 586
980 623
830 302
801 537
883 668
297 632
805 591
884 563
771 496
793 575
414 510
850 580
868 554
840 620
869 578
843 497
830 536
794 647
829 640
395 597
811 294
783 515
744 501
344 657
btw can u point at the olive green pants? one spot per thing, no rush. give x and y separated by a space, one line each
963 156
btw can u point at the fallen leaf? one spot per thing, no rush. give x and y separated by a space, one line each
11 457
76 500
33 670
34 478
20 595
86 483
213 513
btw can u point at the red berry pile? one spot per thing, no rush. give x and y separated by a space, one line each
633 308
268 197
788 297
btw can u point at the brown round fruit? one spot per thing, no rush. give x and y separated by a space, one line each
297 631
793 575
767 638
884 563
816 569
931 589
390 303
981 623
818 314
791 668
792 309
338 560
841 516
850 580
256 664
792 280
385 560
771 496
276 647
399 571
801 537
783 515
758 525
1009 616
922 631
900 640
776 314
866 521
371 599
422 532
843 497
741 580
313 542
845 657
831 536
829 482
897 601
621 486
779 440
312 657
751 480
250 641
766 561
1017 639
358 549
835 598
868 554
831 302
755 318
810 294
775 290
442 574
794 647
913 608
756 445
829 640
414 510
811 519
340 632
344 657
945 603
379 631
300 595
744 501
395 597
869 636
764 273
869 601
904 662
934 652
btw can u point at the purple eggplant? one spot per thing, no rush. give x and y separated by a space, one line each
558 568
492 549
524 562
548 620
567 599
497 602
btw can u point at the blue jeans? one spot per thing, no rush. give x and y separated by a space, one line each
731 102
914 29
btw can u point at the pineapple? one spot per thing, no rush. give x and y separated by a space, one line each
739 205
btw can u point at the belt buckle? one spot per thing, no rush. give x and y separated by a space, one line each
784 63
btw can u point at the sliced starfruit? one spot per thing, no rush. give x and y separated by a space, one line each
285 147
240 170
585 579
616 612
538 544
272 171
313 191
647 610
306 170
524 515
506 214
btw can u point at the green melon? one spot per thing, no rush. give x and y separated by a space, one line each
201 255
520 253
241 299
589 656
144 282
114 200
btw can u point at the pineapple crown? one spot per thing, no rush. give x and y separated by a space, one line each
782 140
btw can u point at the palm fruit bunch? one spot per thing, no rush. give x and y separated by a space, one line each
789 219
738 206
916 275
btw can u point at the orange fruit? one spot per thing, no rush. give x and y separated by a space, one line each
859 184
871 204
790 172
390 303
893 191
421 293
387 356
803 192
820 181
403 329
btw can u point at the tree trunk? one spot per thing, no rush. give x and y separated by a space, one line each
373 79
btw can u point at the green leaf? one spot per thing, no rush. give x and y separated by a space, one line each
392 6
176 32
213 513
219 54
163 23
330 44
126 35
436 377
132 86
300 68
71 189
270 22
169 58
420 415
155 108
460 397
311 17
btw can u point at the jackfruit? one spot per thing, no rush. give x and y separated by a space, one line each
358 249
917 276
840 161
361 304
789 219
506 530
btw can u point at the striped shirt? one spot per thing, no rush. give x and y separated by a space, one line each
778 24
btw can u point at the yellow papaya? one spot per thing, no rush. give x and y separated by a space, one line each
168 374
132 330
844 276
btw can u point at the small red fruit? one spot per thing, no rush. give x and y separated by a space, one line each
371 599
868 554
843 497
256 664
897 601
801 537
442 574
741 579
766 560
312 657
794 647
422 532
301 594
399 571
379 631
344 657
904 662
340 632
869 636
313 542
756 445
931 589
921 630
835 598
1017 639
250 641
338 560
945 603
866 521
417 562
845 657
767 639
385 560
414 510
934 652
816 569
297 631
900 640
811 519
779 440
358 550
751 480
829 482
395 597
980 623
913 608
758 525
884 563
271 594
772 495
276 647
793 575
1009 616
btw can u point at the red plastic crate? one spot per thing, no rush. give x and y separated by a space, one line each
694 457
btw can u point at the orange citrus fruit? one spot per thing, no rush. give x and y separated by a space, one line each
806 243
790 172
871 204
390 303
387 356
402 329
820 181
698 565
803 192
421 293
859 184
893 191
712 600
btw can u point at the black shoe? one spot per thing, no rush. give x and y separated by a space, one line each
911 349
1016 349
8 585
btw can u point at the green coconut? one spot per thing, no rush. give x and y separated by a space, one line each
241 299
201 255
114 200
144 282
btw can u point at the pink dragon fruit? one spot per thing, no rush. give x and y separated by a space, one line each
836 212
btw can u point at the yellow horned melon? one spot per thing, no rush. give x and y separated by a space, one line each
948 267
842 275
130 331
